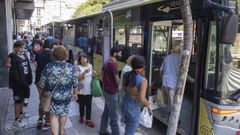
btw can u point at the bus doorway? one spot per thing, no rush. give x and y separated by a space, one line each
164 35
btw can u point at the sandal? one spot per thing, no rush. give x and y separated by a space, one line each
90 124
81 120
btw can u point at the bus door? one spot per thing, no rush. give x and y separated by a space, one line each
165 35
160 39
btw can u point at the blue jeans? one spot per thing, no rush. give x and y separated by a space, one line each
131 112
110 111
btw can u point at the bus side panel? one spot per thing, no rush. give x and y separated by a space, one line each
204 126
120 65
97 63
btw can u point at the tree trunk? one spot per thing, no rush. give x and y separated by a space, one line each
177 102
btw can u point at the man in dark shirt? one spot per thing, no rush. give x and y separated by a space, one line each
111 82
42 59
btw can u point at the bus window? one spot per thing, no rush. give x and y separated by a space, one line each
135 41
130 39
119 36
160 37
211 58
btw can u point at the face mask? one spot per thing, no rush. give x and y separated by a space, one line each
119 57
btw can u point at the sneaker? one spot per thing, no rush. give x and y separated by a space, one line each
18 123
24 115
25 103
81 120
46 126
90 124
40 123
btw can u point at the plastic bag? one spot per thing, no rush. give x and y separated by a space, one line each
96 90
161 98
146 118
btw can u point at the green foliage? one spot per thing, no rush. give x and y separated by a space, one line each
89 7
122 21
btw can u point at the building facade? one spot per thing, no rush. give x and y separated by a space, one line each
37 18
48 11
10 12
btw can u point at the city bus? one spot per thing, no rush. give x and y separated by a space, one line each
53 28
150 28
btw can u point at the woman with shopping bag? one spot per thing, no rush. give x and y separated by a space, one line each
85 75
135 86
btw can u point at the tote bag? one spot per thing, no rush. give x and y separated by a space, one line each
96 90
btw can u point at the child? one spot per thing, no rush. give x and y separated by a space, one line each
20 77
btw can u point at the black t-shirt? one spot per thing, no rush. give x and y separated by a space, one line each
24 65
20 74
42 59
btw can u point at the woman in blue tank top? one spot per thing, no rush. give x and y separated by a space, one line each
135 86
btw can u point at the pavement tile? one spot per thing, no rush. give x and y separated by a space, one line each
73 127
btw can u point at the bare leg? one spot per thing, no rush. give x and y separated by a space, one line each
54 122
63 120
18 109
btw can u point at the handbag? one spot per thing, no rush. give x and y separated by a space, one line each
96 90
47 98
146 118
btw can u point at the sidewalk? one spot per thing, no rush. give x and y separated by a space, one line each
73 126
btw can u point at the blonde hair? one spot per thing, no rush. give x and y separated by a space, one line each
129 60
177 48
59 53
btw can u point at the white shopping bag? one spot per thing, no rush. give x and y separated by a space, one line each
161 98
146 118
153 102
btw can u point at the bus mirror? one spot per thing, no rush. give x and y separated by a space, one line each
229 29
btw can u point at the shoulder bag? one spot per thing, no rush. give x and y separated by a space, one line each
46 99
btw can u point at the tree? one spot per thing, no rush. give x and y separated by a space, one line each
177 103
89 7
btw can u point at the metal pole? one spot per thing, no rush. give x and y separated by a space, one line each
111 27
60 10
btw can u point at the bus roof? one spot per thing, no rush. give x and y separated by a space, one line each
75 20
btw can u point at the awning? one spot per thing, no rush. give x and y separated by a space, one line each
124 4
24 9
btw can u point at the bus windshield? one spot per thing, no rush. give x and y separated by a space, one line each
229 69
227 64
